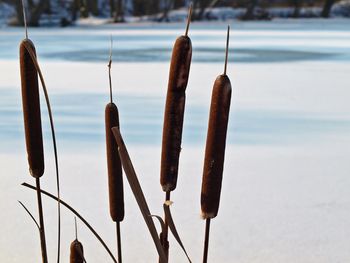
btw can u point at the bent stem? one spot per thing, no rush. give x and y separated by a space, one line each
78 215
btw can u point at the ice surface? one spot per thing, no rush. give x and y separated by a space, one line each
285 195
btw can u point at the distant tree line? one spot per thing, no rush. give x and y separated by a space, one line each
119 8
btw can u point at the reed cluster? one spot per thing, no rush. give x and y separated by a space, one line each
117 156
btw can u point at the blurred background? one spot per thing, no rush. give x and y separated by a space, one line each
285 195
70 12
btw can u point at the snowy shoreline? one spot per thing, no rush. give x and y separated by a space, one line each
213 15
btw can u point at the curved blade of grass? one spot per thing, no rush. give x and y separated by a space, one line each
30 214
36 64
172 227
137 190
78 215
161 222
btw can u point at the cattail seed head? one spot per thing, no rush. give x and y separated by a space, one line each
115 176
31 111
215 147
180 64
174 112
76 252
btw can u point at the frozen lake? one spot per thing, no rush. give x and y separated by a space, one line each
286 187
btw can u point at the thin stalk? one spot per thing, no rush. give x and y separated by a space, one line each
25 19
78 215
206 240
189 18
76 228
165 241
119 242
109 70
41 222
227 46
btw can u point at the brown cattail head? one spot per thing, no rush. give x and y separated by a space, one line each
115 176
76 252
180 64
215 147
174 112
31 110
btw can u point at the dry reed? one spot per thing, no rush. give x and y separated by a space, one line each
115 172
174 110
215 149
32 125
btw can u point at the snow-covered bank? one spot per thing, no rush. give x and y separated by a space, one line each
61 15
278 205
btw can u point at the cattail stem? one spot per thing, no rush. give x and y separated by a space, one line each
41 222
206 240
165 241
119 243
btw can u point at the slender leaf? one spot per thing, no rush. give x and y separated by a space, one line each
172 227
137 190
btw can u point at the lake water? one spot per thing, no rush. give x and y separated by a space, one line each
285 196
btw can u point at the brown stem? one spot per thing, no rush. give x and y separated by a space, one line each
77 214
41 222
206 240
119 243
164 234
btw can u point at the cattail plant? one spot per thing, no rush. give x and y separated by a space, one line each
30 70
32 124
174 115
115 175
215 149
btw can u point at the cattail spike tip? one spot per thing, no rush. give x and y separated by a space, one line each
227 47
189 18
